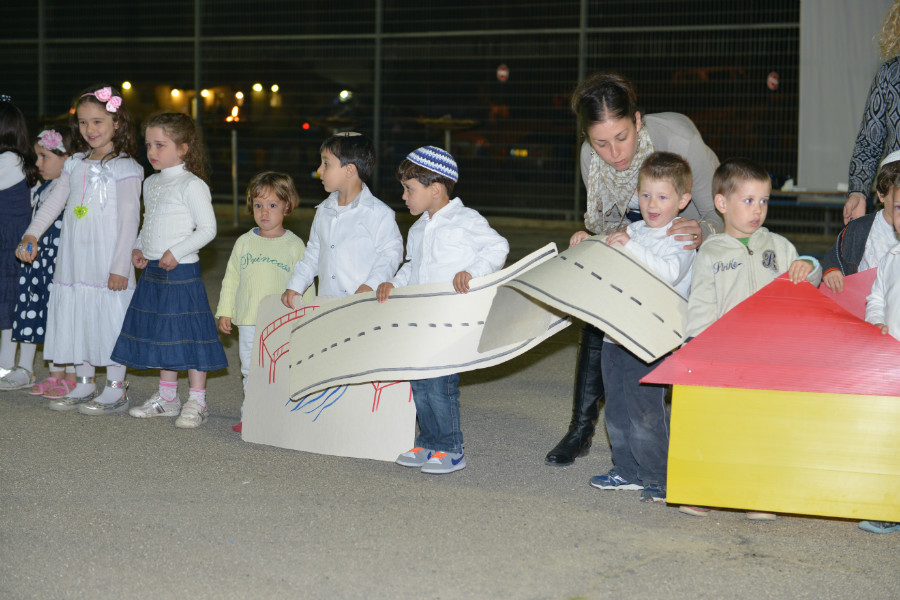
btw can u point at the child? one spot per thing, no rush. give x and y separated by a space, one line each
100 190
636 416
168 325
30 323
449 242
864 241
260 262
354 243
732 266
882 302
17 174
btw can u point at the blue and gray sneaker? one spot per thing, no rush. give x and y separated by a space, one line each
653 492
614 481
879 526
444 462
415 457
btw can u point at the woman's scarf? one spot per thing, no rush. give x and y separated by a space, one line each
609 191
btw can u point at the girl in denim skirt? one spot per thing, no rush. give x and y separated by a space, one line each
169 325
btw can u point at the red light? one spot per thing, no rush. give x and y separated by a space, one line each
306 126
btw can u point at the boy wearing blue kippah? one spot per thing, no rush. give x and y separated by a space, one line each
449 242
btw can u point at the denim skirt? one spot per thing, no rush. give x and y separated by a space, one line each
169 324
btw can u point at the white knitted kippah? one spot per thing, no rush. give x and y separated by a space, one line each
892 157
435 159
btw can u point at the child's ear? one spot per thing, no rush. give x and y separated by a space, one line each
182 150
351 169
880 197
685 199
719 201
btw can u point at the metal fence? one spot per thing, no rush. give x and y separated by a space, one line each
493 77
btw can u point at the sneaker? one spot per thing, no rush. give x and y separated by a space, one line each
879 526
193 415
696 511
614 481
444 462
18 378
756 515
96 409
156 407
416 457
653 492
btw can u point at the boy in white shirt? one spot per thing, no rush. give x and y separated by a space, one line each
450 242
636 417
354 243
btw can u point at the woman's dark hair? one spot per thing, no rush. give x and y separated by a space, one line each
14 138
123 139
604 96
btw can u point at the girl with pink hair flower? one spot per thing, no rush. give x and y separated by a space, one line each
98 194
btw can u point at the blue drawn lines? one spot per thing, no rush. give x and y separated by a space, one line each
318 402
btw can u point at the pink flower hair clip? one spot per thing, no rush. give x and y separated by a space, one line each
105 94
51 140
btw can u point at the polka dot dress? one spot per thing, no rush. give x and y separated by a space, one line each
30 317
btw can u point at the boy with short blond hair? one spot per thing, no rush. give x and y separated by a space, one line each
732 266
637 420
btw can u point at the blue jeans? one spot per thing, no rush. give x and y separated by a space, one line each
437 409
637 420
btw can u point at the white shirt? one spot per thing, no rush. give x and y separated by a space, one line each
664 254
456 239
11 171
178 215
883 301
349 246
881 239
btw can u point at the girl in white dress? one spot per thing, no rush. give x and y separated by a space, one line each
99 194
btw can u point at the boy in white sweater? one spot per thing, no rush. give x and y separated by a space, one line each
450 242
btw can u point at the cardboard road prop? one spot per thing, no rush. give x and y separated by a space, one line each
788 403
372 420
420 332
602 285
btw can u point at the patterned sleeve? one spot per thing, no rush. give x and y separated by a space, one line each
879 127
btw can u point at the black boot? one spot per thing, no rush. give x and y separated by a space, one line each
586 402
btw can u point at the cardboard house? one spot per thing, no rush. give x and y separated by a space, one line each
788 403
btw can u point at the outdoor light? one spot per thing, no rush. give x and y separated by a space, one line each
176 92
345 95
239 95
233 117
257 87
126 85
275 87
205 93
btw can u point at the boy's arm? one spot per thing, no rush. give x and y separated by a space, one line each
875 299
230 282
306 268
388 251
492 249
671 262
702 305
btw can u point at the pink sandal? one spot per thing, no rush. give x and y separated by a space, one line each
55 388
39 389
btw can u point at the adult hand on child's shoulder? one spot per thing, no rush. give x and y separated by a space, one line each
800 270
138 259
225 324
363 289
834 281
578 237
384 291
855 207
117 283
461 282
168 262
687 230
287 298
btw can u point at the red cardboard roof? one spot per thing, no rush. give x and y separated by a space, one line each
793 338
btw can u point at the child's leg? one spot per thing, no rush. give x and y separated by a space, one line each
84 381
246 334
7 352
27 351
114 391
648 420
164 403
168 385
615 378
23 375
437 408
194 413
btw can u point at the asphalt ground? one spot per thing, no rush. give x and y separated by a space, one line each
117 507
